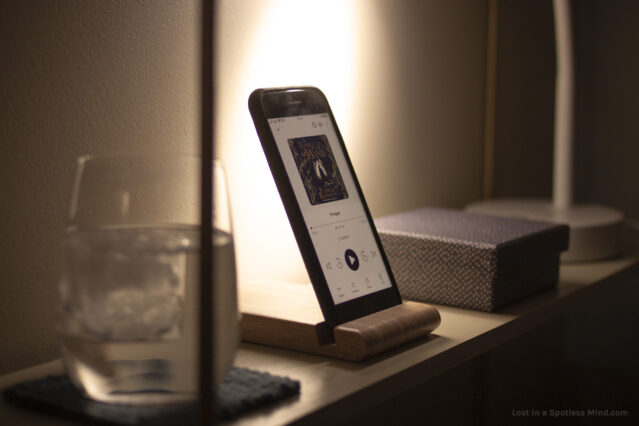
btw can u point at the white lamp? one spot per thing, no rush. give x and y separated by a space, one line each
595 231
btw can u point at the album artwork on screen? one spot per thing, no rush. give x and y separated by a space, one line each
318 169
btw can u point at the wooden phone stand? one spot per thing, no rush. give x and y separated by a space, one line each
288 316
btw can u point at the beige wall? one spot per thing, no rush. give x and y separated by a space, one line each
608 103
524 100
120 76
607 99
77 77
406 83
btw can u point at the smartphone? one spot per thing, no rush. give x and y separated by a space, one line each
333 227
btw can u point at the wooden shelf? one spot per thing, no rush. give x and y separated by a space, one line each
334 389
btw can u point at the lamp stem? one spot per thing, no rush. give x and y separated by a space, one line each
564 107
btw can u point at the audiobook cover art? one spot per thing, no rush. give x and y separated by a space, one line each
318 169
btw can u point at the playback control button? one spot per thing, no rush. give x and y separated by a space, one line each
351 259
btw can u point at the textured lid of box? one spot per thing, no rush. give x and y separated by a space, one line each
514 240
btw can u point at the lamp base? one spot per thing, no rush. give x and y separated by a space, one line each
595 231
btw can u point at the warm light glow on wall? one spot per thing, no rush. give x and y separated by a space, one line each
291 42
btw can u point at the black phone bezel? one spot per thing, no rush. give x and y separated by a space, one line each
265 104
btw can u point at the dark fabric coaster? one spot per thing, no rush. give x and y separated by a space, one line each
241 391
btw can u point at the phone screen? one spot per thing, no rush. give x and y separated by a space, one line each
332 210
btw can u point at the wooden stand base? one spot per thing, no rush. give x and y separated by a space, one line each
288 316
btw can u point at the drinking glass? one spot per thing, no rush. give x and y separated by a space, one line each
129 295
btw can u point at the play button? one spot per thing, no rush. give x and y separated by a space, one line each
351 259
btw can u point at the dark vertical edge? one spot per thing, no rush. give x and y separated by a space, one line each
492 25
585 28
207 327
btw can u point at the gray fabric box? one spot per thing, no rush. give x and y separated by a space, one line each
470 260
